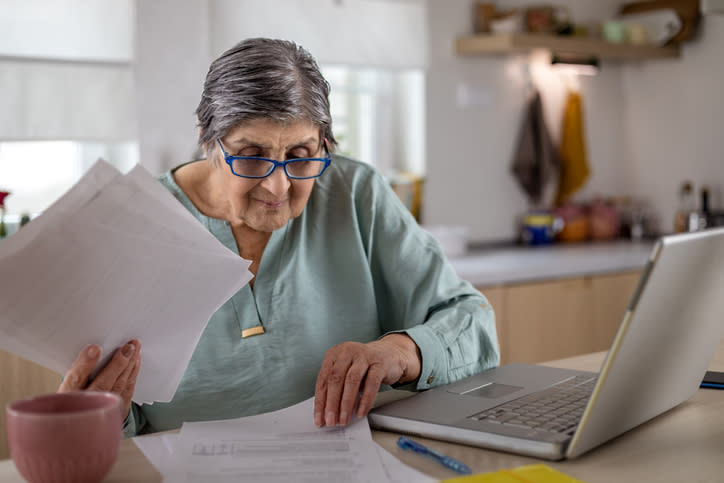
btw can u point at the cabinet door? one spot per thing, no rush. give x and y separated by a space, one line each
610 296
19 379
546 321
555 319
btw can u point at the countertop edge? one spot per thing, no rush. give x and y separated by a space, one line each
515 265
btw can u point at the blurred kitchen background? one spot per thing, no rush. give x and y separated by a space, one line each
446 121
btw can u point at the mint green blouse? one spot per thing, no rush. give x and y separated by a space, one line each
353 266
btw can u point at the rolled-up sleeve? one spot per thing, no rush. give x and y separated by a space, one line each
419 293
456 342
135 422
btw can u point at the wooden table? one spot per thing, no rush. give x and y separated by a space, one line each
685 444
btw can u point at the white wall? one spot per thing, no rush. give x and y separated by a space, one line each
675 123
378 33
172 57
470 148
649 126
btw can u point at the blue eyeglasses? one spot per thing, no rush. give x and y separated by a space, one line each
256 167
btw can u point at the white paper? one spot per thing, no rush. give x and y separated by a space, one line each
159 450
279 446
275 447
113 260
98 176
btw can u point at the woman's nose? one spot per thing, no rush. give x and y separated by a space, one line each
277 183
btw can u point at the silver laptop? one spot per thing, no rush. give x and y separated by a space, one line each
666 341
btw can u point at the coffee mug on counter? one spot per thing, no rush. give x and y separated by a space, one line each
540 228
68 437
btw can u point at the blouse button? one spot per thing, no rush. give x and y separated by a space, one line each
430 379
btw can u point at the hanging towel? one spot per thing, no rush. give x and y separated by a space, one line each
536 161
574 165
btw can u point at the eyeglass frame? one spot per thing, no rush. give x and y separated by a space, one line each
327 160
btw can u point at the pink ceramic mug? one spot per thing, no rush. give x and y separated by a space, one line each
65 437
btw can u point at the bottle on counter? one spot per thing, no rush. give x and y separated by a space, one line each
687 205
705 212
700 219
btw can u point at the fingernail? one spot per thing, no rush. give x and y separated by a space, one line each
128 350
343 418
318 420
92 351
330 419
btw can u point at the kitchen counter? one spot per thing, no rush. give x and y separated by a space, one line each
520 264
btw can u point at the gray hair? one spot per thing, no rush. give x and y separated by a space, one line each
263 78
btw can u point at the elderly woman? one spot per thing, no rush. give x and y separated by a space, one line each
348 292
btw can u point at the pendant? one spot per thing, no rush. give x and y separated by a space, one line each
252 331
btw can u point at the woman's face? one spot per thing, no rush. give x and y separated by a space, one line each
266 204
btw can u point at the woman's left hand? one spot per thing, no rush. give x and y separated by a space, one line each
351 367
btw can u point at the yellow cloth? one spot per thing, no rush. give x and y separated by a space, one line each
574 165
523 474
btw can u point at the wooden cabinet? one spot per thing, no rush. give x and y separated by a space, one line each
609 298
19 379
554 319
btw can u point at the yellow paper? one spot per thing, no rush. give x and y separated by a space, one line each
497 477
523 474
542 474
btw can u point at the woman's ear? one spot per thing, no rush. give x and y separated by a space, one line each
329 146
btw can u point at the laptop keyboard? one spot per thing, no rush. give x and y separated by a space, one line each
558 408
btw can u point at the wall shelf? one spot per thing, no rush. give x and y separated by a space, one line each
482 44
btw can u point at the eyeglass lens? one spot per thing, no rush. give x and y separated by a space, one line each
260 168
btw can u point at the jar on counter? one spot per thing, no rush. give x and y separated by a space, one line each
575 223
604 220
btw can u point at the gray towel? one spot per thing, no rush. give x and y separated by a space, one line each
536 160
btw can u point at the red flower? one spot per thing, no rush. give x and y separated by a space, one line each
3 194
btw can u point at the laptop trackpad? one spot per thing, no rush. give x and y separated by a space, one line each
492 390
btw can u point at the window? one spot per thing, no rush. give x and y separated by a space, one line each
39 172
68 96
378 116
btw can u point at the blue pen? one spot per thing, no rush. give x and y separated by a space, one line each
455 465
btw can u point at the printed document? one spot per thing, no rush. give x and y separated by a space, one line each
280 446
116 258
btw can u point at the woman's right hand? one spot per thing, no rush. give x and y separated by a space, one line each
118 376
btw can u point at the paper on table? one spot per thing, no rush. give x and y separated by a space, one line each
159 450
114 264
276 447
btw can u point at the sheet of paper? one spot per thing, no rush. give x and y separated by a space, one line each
159 450
98 176
280 446
275 447
117 262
